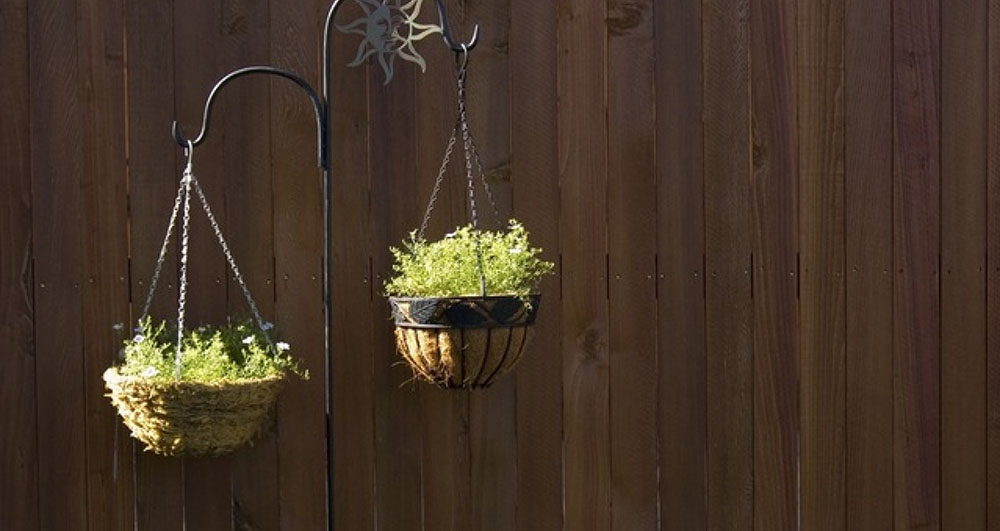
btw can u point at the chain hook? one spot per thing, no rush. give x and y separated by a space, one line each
189 154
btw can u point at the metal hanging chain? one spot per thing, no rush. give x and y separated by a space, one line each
182 296
229 258
482 178
470 178
437 182
163 252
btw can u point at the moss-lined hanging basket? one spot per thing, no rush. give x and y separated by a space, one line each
181 418
463 342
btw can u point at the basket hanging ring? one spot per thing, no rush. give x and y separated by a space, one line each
189 154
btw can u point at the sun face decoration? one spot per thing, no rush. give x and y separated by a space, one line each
390 28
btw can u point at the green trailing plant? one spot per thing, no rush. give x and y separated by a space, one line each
235 351
448 267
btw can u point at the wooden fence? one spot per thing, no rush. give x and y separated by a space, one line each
776 225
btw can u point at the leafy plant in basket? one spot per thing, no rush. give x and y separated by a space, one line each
447 328
202 391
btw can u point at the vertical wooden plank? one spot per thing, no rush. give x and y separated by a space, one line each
57 159
820 76
993 270
916 247
583 233
299 269
681 252
202 48
492 413
250 228
534 171
152 184
868 253
964 88
444 415
728 306
105 267
18 448
632 266
774 184
394 206
352 380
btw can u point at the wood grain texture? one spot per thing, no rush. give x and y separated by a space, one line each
583 232
394 207
963 259
729 331
774 193
202 55
444 415
296 187
916 244
353 390
993 271
492 414
153 181
680 251
19 494
105 259
868 231
57 173
535 190
822 320
632 248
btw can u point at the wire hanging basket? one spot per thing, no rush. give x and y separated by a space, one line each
463 342
191 418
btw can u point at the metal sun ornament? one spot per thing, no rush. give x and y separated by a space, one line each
390 28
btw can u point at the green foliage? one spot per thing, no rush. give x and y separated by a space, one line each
238 350
448 267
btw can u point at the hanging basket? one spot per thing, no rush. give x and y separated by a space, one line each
463 342
192 419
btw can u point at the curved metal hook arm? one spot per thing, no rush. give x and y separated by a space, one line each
319 106
449 39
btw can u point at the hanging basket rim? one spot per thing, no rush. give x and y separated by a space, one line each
113 376
471 312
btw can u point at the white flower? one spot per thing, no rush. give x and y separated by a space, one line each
247 340
267 325
138 338
281 345
515 250
118 327
450 235
150 372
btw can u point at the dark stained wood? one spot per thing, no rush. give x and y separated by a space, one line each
964 114
820 88
492 414
19 494
680 251
105 272
296 187
993 271
153 181
632 240
444 415
729 339
535 190
57 174
868 255
202 55
916 244
393 213
775 238
353 390
583 232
